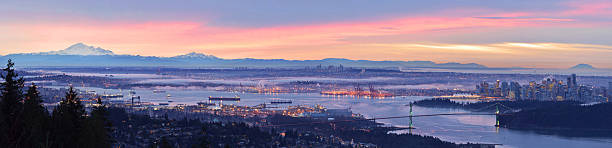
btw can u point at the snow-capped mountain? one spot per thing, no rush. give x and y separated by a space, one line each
81 49
583 67
194 55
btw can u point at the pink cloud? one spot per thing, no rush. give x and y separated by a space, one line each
163 38
589 8
169 38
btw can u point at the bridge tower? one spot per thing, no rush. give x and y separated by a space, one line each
497 115
410 127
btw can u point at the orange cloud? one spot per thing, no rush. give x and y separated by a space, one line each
511 54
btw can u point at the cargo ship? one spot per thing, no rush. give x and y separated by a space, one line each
236 98
111 96
280 101
159 91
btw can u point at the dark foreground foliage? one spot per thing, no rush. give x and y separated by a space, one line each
24 121
584 118
135 130
363 131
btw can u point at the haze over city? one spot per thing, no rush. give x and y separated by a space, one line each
535 34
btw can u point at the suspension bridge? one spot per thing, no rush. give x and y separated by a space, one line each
505 110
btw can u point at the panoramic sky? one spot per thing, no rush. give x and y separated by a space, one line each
495 33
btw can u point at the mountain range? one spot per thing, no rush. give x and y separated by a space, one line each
83 55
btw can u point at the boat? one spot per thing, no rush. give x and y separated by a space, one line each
236 98
281 101
110 96
159 91
163 104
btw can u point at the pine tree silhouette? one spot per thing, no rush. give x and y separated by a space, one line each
11 107
67 121
97 128
36 119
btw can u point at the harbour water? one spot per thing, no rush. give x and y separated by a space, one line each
460 129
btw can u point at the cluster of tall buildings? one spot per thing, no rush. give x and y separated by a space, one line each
548 89
329 68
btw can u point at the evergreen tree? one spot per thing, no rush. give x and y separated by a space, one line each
203 140
67 121
97 128
164 143
36 118
11 107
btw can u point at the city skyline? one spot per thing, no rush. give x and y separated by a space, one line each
543 34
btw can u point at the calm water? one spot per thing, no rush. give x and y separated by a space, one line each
459 129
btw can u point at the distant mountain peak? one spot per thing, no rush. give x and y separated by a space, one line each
583 66
195 55
81 49
79 44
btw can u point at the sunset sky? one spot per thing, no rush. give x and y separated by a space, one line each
495 33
